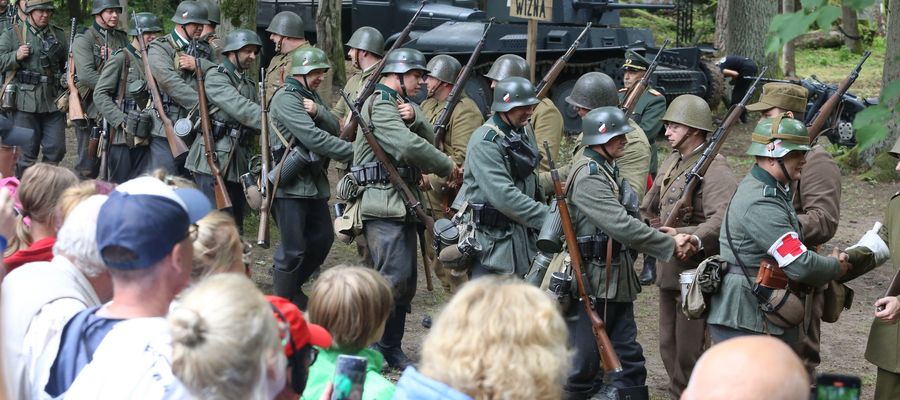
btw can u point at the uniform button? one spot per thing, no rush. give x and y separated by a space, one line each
671 201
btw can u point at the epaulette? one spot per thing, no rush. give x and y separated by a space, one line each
385 95
117 51
593 167
654 92
623 90
220 68
770 191
490 135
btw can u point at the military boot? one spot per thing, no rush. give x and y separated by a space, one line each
389 346
287 284
648 274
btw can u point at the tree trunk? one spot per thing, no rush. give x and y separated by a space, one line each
745 31
125 17
891 73
850 25
878 18
328 34
787 53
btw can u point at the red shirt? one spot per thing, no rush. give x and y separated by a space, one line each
42 250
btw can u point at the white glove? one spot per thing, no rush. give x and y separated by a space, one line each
873 241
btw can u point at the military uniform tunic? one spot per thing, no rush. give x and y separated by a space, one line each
762 221
648 114
8 17
353 87
279 70
547 122
489 180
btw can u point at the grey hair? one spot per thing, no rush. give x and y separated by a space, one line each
77 238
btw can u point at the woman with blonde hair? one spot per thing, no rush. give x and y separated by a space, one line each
38 193
218 247
498 338
351 303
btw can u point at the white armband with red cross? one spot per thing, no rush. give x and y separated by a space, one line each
787 249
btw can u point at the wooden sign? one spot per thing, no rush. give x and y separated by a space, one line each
539 10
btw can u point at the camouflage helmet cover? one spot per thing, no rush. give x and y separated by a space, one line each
602 124
308 59
778 136
513 92
691 111
593 90
444 68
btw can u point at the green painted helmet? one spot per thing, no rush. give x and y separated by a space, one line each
190 12
148 22
593 90
239 38
602 124
369 39
287 23
31 5
308 59
444 68
513 92
508 65
691 111
213 14
100 5
778 136
403 60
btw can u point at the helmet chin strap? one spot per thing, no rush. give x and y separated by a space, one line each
787 176
278 44
605 152
402 86
306 83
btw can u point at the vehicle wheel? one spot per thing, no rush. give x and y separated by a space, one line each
715 83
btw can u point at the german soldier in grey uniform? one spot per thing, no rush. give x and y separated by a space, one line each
129 151
234 119
286 31
172 62
36 52
603 216
502 185
92 50
688 121
301 123
405 135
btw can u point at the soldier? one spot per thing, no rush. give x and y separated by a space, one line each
366 50
466 117
35 52
172 61
92 48
816 198
8 15
736 68
129 153
209 35
234 119
301 122
547 121
650 107
286 31
406 136
688 121
761 228
599 215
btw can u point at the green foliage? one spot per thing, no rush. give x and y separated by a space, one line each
870 123
237 10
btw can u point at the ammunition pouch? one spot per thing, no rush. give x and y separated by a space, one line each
521 155
593 247
32 78
139 123
374 173
485 215
234 130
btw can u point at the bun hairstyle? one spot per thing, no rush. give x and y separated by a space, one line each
188 327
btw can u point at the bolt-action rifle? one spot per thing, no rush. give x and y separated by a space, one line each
543 87
262 236
817 123
76 111
634 94
222 199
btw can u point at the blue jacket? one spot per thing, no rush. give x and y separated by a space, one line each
415 386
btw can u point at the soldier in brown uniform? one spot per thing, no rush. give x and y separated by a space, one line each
366 48
209 34
286 31
688 121
816 197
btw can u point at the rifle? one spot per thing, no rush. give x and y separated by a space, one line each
412 203
543 87
120 102
76 111
348 133
440 125
634 94
262 236
608 355
176 145
817 123
698 170
97 136
222 199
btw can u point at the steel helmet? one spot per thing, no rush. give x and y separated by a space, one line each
31 5
212 11
444 68
508 65
593 90
100 5
287 23
308 59
369 39
778 136
513 92
148 22
403 60
190 12
690 110
602 124
239 38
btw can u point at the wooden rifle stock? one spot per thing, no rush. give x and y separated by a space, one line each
608 355
440 124
348 132
543 87
262 236
222 199
76 111
176 145
817 124
634 94
698 170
